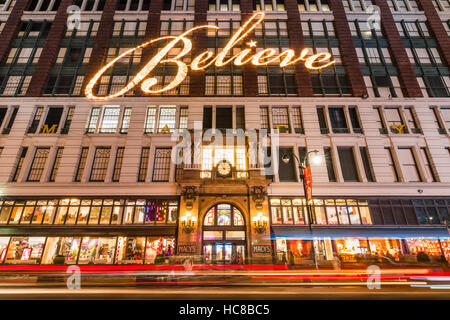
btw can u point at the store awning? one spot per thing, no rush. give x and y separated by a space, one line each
360 232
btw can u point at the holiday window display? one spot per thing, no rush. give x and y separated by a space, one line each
351 249
424 249
130 250
61 250
24 250
97 250
3 248
158 248
445 244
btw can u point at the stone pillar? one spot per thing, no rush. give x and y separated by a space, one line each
407 76
347 49
49 51
296 39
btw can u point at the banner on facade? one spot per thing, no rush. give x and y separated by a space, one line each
308 183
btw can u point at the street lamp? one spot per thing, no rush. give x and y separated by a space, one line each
302 164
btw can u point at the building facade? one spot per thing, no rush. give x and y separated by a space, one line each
92 181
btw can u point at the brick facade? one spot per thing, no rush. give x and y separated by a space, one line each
296 39
100 48
249 74
347 49
197 78
407 77
11 27
49 51
437 29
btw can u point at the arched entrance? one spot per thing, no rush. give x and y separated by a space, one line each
223 235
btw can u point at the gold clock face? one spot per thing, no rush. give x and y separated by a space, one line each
224 168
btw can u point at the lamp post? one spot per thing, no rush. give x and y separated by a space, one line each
302 164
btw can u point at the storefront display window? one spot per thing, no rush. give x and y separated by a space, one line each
425 250
445 244
61 250
293 251
87 211
25 250
130 250
97 250
288 211
4 241
158 248
351 249
388 248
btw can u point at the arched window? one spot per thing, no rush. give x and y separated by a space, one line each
224 214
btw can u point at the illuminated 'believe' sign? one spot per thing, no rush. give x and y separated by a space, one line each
206 59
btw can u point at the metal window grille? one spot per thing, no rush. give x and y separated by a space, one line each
93 119
166 120
110 119
183 120
264 117
118 164
280 119
143 166
125 120
38 164
55 168
100 164
161 166
68 121
297 120
37 118
81 164
150 120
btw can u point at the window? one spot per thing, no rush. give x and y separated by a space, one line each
166 119
240 118
338 121
118 164
38 164
409 165
431 211
394 120
52 120
100 164
55 167
143 165
19 165
348 164
329 163
297 120
3 111
81 164
445 112
93 118
183 118
8 127
264 118
110 119
391 164
428 168
212 156
36 120
288 211
353 113
161 165
150 120
224 118
286 171
322 121
125 120
366 163
411 120
280 120
68 121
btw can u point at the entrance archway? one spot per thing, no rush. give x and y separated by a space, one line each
224 238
